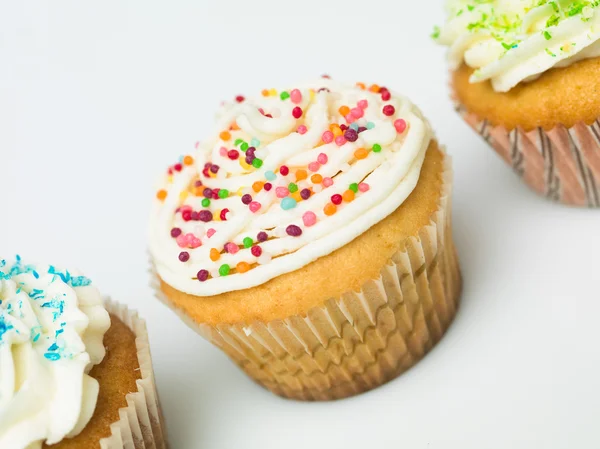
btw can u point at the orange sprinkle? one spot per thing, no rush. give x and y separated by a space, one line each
188 160
344 110
225 136
234 127
215 254
374 88
335 129
296 196
361 153
316 179
330 209
348 196
361 85
258 186
199 191
301 175
265 92
242 267
161 195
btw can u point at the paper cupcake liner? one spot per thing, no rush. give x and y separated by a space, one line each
141 423
363 339
562 164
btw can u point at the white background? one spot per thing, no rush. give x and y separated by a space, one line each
96 98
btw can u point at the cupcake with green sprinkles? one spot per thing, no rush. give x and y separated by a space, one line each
309 238
525 76
76 369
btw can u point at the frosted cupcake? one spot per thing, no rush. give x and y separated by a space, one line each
75 370
309 238
526 76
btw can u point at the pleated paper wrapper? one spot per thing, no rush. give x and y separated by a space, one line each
562 164
141 424
363 339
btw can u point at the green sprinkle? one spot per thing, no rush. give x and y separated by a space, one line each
248 242
553 20
257 163
547 35
284 95
376 148
224 269
550 53
205 202
223 193
244 146
354 187
293 188
436 32
238 142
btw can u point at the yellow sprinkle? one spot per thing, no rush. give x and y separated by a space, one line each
183 195
312 95
217 215
240 192
244 165
169 179
273 92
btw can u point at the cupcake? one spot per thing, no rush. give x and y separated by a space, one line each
526 76
309 238
75 369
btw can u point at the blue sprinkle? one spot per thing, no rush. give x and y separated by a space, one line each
288 203
35 274
54 347
58 332
370 125
52 356
255 142
80 281
36 293
354 126
270 175
36 338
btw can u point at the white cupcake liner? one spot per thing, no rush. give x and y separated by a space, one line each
141 424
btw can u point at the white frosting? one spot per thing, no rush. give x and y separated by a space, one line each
391 175
514 41
51 329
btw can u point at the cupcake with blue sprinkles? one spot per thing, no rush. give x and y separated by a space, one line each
71 364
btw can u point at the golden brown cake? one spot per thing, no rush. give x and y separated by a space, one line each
525 76
84 360
332 269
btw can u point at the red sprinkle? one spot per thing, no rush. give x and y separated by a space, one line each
268 186
223 214
186 215
386 95
284 170
233 154
256 251
389 110
293 230
297 112
336 199
239 98
178 167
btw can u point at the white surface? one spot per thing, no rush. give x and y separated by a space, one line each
96 98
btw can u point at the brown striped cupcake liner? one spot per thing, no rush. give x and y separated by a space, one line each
562 164
360 340
140 424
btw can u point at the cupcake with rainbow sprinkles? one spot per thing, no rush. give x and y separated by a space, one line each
526 77
309 238
75 369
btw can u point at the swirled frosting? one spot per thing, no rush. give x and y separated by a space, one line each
52 324
514 41
286 178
